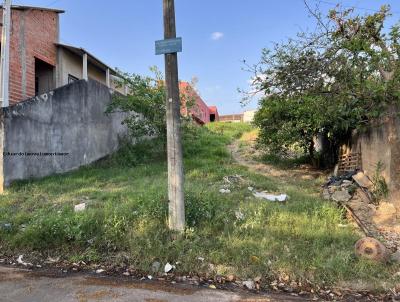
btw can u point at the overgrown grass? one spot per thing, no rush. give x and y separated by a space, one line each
231 130
284 163
125 221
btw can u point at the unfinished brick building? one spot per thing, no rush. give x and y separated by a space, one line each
39 63
33 53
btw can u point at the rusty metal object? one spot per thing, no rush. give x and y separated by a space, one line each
357 220
372 249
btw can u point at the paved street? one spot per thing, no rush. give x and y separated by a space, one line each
18 285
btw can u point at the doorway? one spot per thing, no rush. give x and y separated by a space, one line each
44 77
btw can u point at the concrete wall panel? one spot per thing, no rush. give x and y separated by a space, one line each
69 120
381 143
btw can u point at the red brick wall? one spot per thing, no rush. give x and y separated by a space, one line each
33 34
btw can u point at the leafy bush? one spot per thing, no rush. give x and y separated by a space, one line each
145 105
380 188
328 83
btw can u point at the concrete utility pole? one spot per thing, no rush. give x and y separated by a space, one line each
5 54
4 80
174 142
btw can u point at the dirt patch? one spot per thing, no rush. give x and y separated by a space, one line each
245 154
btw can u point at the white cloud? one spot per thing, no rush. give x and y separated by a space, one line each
217 35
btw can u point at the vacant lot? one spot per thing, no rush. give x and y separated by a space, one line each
305 239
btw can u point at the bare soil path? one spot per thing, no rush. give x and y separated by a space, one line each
244 155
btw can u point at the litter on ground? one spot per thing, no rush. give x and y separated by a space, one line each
168 267
20 261
80 207
270 197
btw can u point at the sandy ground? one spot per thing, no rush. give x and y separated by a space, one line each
244 156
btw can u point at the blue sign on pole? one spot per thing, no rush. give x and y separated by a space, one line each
168 46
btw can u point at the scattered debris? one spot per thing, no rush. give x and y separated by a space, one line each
326 194
249 284
155 267
52 260
270 197
341 196
233 179
231 278
371 249
20 261
363 180
168 268
200 259
80 207
126 274
100 270
257 279
5 226
337 180
239 215
353 182
360 224
149 277
346 183
212 286
353 190
225 191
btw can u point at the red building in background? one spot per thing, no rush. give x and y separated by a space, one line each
193 105
214 115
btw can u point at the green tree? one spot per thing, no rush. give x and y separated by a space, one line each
144 105
340 78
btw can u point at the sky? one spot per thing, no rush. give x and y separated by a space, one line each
217 36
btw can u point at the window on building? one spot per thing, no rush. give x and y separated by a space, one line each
72 79
44 77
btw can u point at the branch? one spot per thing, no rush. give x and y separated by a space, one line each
317 16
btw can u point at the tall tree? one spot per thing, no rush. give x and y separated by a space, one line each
339 78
